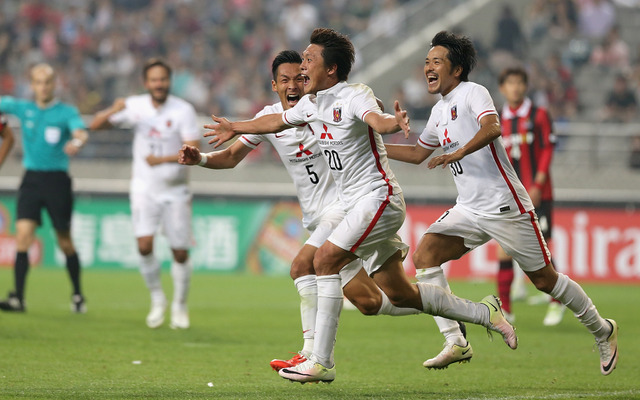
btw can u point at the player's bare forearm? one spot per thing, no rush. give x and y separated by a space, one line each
488 132
224 130
101 119
7 143
387 123
412 154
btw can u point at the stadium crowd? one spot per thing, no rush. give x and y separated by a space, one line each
219 50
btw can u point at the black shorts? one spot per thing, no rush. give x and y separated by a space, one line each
48 189
544 217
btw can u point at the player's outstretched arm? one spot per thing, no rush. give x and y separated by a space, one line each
489 131
224 130
153 160
227 158
101 119
413 154
7 143
387 123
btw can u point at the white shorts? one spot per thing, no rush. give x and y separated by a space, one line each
369 229
520 236
149 213
327 222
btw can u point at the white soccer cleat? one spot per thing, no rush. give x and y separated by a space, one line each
309 371
609 349
179 317
450 354
498 323
155 318
554 315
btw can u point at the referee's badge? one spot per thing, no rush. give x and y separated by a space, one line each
454 112
337 114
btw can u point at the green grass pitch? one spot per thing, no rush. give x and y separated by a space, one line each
240 322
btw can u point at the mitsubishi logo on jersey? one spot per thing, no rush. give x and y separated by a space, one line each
155 133
302 150
325 134
446 140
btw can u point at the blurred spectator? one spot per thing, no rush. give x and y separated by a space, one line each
561 90
387 20
298 20
596 18
564 18
612 53
621 104
634 159
508 35
537 20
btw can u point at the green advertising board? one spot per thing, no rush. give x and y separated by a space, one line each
229 236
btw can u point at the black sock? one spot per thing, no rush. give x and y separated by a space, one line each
21 267
506 264
73 266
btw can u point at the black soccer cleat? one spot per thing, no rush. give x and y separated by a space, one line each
78 305
12 303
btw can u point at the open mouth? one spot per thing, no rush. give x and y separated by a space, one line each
432 79
306 79
293 99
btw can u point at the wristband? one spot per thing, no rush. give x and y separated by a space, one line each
77 142
203 159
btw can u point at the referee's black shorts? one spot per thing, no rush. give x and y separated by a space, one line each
50 190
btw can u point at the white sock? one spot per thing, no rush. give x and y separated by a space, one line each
389 309
329 306
308 291
150 270
449 328
181 274
437 301
574 297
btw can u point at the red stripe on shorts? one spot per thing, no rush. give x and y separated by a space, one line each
371 225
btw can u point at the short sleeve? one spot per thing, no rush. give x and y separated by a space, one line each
480 102
75 120
364 102
123 119
429 136
299 114
11 105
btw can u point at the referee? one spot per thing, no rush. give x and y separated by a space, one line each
51 132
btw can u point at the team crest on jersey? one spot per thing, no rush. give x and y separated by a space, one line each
454 112
337 114
169 123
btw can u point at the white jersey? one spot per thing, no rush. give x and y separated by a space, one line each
161 132
487 183
303 160
355 153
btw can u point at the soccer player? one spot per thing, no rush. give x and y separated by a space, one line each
159 192
6 133
492 202
345 119
318 196
528 140
51 132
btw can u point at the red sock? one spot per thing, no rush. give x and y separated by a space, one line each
505 278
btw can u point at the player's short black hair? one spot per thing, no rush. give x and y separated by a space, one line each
285 57
155 62
518 71
461 51
337 50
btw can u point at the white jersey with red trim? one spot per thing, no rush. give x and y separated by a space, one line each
159 131
354 152
303 160
487 183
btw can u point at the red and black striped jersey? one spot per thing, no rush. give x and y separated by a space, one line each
529 141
